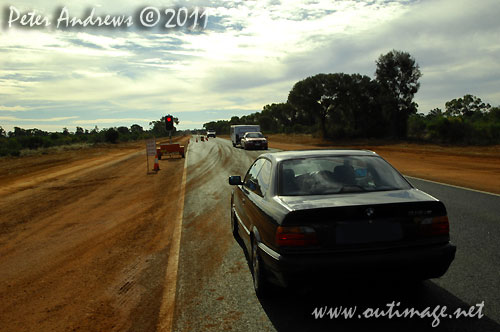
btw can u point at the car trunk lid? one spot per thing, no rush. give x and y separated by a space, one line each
369 220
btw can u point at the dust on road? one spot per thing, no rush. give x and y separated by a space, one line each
84 240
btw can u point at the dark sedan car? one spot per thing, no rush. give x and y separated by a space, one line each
309 215
253 140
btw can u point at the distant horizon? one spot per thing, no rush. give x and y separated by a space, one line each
250 54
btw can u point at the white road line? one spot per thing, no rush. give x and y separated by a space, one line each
167 309
451 185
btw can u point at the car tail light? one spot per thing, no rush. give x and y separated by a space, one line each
435 226
295 236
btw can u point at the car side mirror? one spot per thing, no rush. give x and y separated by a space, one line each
235 180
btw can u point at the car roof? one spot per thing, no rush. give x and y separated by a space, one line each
298 154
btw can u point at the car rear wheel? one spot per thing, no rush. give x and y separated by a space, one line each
260 283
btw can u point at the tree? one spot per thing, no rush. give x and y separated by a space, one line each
111 135
221 126
398 74
283 116
466 106
135 128
123 130
79 131
354 111
234 120
416 126
65 131
18 132
2 132
343 105
436 112
494 114
312 101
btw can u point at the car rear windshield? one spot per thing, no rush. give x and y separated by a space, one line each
254 135
338 174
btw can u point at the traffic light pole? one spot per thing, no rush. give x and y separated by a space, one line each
170 135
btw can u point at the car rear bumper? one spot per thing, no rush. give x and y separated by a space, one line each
416 262
256 147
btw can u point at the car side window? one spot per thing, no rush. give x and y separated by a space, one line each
264 176
251 181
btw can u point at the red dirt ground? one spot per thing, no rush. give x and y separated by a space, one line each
84 239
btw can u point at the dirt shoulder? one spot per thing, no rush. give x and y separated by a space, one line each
84 239
472 167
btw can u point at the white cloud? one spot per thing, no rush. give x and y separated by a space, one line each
55 119
252 56
16 108
109 121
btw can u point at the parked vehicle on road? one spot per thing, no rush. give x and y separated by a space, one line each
211 133
253 140
309 216
238 131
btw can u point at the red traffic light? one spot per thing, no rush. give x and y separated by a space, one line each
169 122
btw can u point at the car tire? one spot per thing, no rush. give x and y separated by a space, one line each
234 145
260 284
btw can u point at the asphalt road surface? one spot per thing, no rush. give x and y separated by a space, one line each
214 286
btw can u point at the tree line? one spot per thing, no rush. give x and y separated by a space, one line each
351 106
466 120
12 142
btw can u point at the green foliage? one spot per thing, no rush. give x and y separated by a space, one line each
312 99
397 74
20 138
283 116
111 135
274 118
136 129
79 131
417 126
221 127
466 121
467 106
9 146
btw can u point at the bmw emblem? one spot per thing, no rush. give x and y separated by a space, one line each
369 212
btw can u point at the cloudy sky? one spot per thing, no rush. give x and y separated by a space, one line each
249 54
